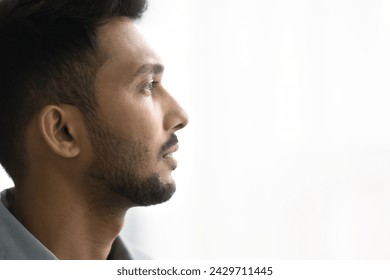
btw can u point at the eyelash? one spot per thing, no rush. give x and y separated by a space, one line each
150 86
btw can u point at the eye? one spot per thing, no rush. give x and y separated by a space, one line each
150 86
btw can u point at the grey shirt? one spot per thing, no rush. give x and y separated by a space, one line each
17 243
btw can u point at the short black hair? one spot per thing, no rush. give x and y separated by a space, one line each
49 54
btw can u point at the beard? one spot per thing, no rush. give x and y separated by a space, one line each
119 165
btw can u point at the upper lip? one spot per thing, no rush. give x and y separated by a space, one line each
171 150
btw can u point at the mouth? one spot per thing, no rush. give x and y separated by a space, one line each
168 154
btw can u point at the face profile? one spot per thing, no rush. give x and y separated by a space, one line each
89 129
133 138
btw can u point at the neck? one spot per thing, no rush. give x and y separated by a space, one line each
68 222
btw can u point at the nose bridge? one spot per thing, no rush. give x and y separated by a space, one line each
175 117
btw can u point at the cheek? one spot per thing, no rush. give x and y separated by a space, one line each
139 119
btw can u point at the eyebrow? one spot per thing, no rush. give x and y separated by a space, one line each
150 68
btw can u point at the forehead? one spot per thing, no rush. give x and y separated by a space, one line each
123 45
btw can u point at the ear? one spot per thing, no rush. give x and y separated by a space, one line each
58 125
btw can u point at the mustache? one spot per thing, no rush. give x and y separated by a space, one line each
171 142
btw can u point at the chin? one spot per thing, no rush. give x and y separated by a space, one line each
151 191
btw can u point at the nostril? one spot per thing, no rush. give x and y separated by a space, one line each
179 126
182 123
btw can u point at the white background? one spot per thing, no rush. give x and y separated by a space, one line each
287 154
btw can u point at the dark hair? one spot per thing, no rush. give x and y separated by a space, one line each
49 54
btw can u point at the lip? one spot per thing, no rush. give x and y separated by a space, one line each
168 156
168 153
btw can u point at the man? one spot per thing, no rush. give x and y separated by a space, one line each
88 130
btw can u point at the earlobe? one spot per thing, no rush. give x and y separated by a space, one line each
58 131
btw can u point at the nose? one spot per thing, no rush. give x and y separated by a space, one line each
175 117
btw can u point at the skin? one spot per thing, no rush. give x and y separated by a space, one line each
77 212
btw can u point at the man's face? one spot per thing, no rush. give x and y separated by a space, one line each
133 134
